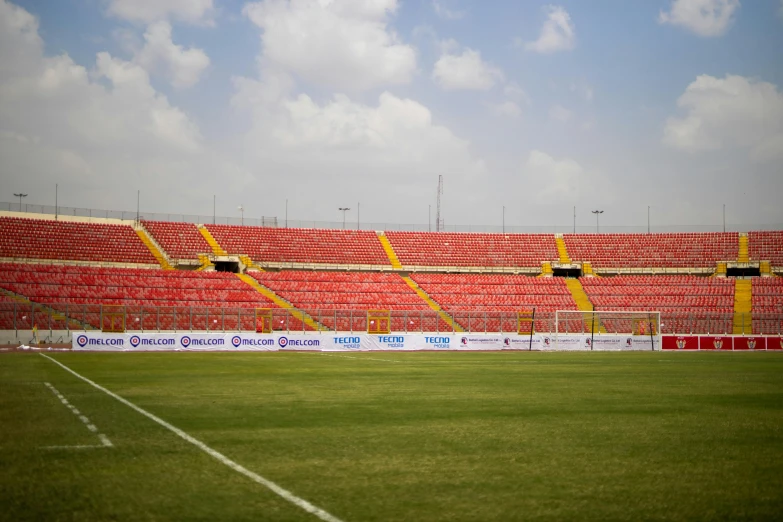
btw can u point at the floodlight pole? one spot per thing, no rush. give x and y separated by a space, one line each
597 213
20 196
242 214
344 210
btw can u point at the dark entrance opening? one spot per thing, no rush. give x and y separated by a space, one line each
750 271
567 272
227 266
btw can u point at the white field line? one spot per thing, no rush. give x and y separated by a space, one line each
105 442
284 493
360 358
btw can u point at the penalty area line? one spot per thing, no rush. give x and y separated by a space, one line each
255 477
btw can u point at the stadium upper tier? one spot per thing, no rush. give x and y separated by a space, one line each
653 250
109 242
22 238
301 245
473 249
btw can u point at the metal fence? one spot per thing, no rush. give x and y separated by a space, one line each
66 317
273 221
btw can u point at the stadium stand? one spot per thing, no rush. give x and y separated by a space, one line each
159 299
22 238
766 246
323 294
767 305
680 250
179 240
454 249
471 298
298 245
688 304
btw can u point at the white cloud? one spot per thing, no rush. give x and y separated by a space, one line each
147 11
583 90
703 17
557 34
507 108
442 10
554 179
183 67
345 45
103 129
559 113
466 71
729 113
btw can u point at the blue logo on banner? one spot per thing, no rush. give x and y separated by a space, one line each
236 341
81 340
283 342
135 341
185 341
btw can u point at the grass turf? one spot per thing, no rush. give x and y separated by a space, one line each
431 436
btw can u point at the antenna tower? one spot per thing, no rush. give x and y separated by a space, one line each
439 220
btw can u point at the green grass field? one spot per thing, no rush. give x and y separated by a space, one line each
396 436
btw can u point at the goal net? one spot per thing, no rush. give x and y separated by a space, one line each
640 330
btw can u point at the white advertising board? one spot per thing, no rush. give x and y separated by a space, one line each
248 341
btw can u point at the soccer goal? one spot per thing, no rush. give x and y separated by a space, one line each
636 330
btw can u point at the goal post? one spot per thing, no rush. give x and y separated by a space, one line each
639 330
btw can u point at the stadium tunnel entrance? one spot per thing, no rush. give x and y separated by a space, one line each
567 272
227 266
745 271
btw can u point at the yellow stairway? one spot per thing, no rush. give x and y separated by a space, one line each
720 269
432 304
205 262
561 249
583 303
546 269
154 250
250 264
587 269
282 303
742 257
390 253
216 248
742 306
765 267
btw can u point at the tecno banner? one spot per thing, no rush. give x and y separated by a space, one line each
342 342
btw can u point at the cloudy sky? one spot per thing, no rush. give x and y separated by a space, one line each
535 106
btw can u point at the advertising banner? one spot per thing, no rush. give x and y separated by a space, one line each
680 342
212 341
750 343
717 342
775 343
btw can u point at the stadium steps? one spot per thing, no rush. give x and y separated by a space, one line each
48 310
155 249
546 269
743 320
390 253
583 303
587 269
216 248
250 264
282 303
720 269
432 304
742 256
765 267
205 262
562 251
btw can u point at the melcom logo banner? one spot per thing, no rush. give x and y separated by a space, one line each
99 341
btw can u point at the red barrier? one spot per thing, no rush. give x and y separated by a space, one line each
774 343
719 342
679 342
750 343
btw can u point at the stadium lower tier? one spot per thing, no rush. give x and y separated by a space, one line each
75 297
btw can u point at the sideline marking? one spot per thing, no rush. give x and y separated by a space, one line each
105 442
284 493
360 358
